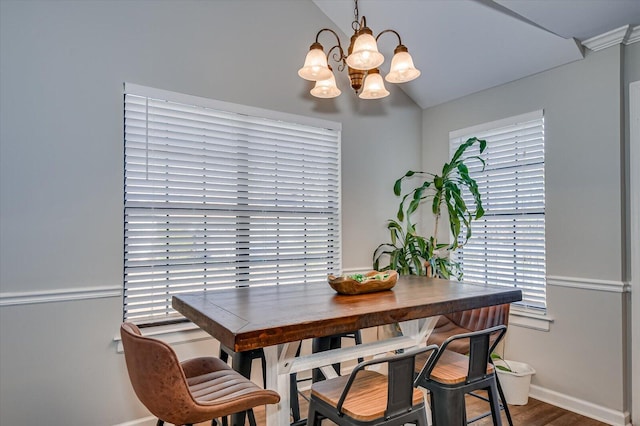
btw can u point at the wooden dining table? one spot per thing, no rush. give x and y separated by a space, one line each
277 318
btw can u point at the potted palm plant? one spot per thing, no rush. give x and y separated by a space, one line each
412 254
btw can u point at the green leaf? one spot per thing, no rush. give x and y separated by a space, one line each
437 182
397 187
435 206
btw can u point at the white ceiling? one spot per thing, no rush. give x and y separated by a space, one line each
464 46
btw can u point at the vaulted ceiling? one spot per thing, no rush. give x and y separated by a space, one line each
464 46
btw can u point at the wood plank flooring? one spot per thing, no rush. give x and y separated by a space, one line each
535 413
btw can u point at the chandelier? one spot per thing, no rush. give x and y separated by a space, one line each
362 62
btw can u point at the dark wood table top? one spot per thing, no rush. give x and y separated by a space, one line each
254 317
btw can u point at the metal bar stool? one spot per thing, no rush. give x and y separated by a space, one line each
367 397
450 375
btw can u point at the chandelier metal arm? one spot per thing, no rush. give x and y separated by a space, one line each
390 31
338 56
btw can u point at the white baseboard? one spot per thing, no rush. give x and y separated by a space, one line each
584 408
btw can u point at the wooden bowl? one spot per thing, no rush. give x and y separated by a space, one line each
346 285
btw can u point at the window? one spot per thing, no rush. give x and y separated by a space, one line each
507 246
218 195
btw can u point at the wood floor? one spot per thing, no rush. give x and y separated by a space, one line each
535 413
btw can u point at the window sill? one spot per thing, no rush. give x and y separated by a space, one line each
521 317
171 334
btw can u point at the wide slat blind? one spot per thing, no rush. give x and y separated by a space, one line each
507 246
216 197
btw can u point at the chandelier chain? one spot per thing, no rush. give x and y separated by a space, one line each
355 25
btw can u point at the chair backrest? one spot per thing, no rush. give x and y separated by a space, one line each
481 318
155 373
481 345
400 381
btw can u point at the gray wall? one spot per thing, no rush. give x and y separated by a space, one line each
62 66
582 104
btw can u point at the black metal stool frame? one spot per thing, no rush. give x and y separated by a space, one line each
399 410
447 400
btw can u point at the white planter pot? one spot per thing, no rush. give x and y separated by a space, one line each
515 384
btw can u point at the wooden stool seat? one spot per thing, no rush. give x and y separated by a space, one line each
452 369
367 399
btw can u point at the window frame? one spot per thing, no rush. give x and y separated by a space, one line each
534 287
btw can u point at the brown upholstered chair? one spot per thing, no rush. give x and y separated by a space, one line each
197 390
465 322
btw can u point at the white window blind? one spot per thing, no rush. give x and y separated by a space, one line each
219 195
507 246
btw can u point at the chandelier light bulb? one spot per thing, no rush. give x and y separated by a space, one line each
315 66
374 86
365 54
402 68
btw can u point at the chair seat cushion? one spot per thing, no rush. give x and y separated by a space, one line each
223 387
452 367
367 398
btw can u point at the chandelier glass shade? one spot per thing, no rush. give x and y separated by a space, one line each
326 88
373 86
315 65
365 55
362 62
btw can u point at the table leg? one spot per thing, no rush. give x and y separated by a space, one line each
278 364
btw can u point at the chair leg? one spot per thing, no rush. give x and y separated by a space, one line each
495 405
252 417
357 335
242 364
421 419
336 343
295 403
448 408
504 402
314 418
160 423
320 344
263 363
